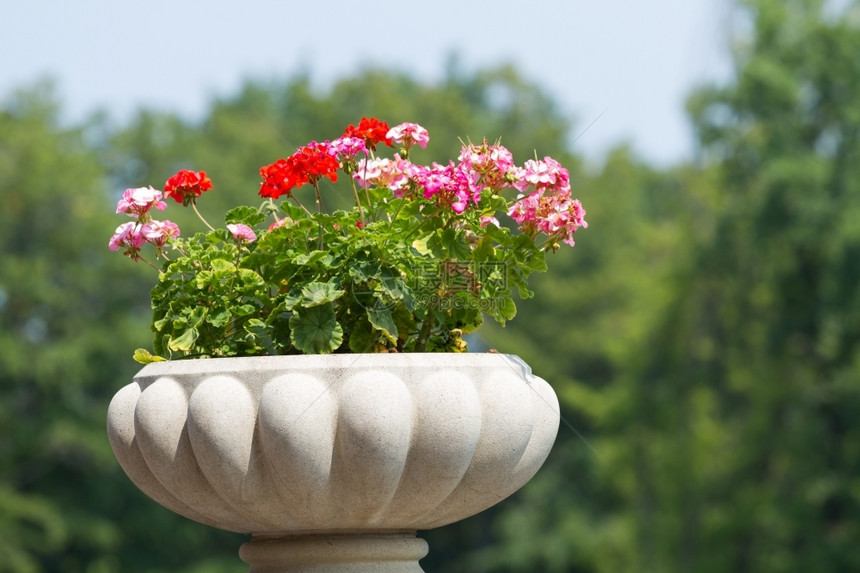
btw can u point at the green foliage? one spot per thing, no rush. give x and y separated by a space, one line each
69 314
712 364
405 273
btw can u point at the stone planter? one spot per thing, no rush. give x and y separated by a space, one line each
333 462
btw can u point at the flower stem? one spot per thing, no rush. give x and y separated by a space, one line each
320 206
424 334
357 201
205 222
139 258
299 203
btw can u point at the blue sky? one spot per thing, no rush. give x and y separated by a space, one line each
632 61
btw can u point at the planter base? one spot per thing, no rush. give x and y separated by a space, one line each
359 553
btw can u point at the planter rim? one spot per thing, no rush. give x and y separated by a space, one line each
298 362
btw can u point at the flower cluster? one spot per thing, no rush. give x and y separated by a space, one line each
186 186
308 164
357 280
545 204
372 131
132 236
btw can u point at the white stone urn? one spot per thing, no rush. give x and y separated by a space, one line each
332 462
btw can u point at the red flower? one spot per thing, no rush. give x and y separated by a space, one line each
317 161
308 164
187 185
279 178
371 130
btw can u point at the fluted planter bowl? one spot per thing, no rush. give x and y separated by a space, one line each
302 447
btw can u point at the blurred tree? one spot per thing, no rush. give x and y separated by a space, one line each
728 439
763 344
70 312
723 409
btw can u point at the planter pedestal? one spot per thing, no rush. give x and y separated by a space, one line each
359 553
331 463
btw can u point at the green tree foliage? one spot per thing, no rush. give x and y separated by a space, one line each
69 312
725 435
769 312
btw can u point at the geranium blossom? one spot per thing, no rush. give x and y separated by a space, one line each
308 164
242 232
157 232
409 134
556 215
542 173
128 237
138 202
186 186
280 223
448 185
489 220
371 130
348 147
391 173
279 178
494 164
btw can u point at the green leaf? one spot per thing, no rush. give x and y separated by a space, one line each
144 356
247 215
203 279
219 318
250 277
484 250
311 258
256 327
292 299
317 293
315 330
392 284
184 342
361 337
435 247
504 310
222 267
244 309
382 320
421 244
454 243
196 316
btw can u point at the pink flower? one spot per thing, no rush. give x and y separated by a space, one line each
448 185
347 147
489 220
157 232
391 173
137 202
281 223
554 214
242 232
541 174
129 237
492 163
409 134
